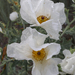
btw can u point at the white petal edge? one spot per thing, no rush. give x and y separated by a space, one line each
36 70
59 7
66 52
50 67
35 46
57 60
34 33
27 12
26 33
52 28
19 51
44 8
36 39
53 49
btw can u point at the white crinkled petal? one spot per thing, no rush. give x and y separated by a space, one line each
26 33
39 9
35 4
44 8
66 52
27 12
28 18
52 49
63 64
47 67
37 67
50 67
52 28
71 60
58 60
36 44
19 51
68 68
67 63
39 38
55 16
54 24
21 1
72 55
59 7
34 36
55 35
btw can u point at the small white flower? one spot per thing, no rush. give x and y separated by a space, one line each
0 29
32 47
44 13
13 16
68 63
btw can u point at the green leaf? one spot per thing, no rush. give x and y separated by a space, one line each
66 44
71 32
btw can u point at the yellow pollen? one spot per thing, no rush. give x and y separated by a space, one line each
39 55
42 19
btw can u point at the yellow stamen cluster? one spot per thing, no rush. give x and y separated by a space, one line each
42 19
39 55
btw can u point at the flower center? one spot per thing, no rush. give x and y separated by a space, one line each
42 19
39 55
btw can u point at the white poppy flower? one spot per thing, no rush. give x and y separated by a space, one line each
13 16
32 47
0 29
44 13
68 63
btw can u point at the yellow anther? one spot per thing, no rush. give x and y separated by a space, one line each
39 55
42 19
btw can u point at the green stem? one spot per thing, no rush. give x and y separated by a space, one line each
67 13
67 27
23 23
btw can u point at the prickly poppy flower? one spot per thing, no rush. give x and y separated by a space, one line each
32 47
44 13
68 63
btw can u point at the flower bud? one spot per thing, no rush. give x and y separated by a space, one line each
13 16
